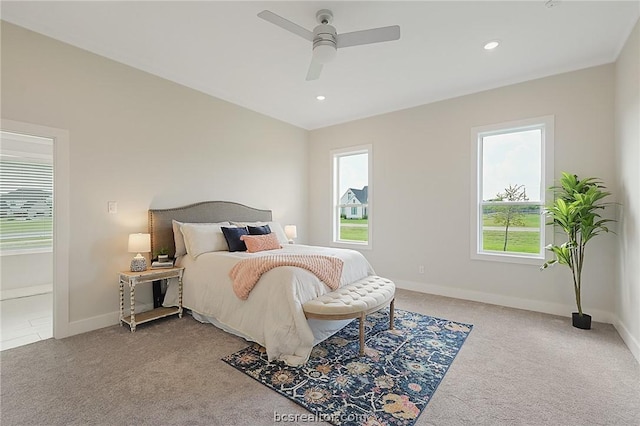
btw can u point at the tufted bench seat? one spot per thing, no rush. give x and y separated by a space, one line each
354 300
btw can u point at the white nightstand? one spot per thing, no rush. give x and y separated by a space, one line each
150 275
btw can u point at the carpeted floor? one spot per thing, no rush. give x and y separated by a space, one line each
515 368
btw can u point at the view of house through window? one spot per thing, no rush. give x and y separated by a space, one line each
351 196
26 193
511 189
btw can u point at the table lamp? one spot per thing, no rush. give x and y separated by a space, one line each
139 243
292 232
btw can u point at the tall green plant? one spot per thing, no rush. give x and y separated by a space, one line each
576 212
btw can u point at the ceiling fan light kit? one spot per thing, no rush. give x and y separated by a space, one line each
325 39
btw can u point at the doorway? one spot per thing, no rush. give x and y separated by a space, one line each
34 250
26 238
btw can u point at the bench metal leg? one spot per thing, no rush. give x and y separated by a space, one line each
391 313
362 319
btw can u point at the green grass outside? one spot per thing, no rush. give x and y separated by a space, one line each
10 228
12 225
531 220
354 233
351 233
519 241
358 221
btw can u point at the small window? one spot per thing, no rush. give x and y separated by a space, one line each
26 193
513 168
352 196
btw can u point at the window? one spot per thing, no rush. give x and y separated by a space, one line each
26 193
351 203
513 166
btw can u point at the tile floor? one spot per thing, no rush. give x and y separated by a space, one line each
26 320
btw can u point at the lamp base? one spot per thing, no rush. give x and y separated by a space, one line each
138 264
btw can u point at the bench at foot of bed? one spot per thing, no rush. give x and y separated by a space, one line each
355 300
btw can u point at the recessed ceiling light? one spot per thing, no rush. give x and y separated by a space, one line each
491 45
320 98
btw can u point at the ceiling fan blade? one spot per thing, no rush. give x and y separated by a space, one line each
286 24
314 71
375 35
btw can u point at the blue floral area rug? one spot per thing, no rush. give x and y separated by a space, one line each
390 385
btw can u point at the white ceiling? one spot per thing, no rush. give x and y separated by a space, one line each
225 50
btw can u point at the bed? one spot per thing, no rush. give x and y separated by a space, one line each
272 313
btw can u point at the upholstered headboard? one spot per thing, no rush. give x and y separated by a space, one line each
161 227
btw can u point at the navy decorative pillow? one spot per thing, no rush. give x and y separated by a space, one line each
232 235
259 230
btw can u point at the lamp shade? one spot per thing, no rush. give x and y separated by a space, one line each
291 231
139 243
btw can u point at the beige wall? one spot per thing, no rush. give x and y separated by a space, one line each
421 189
144 142
627 131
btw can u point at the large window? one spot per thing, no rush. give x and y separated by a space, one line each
351 203
26 193
513 167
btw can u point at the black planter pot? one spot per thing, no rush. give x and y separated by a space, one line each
583 322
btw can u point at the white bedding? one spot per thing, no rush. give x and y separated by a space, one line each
272 315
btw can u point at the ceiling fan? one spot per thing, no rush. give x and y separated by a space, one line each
325 40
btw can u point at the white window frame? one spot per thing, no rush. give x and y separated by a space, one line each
335 197
547 125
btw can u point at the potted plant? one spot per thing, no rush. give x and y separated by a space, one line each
163 255
575 211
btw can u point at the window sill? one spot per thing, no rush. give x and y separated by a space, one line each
536 260
352 246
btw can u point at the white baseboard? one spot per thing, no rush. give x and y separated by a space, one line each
508 301
93 323
102 321
631 342
16 293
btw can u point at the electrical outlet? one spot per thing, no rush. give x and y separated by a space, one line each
421 269
112 207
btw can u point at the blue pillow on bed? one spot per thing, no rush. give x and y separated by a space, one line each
259 230
232 235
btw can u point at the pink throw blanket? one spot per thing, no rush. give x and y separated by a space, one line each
246 273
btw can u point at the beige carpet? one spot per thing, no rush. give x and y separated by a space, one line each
516 368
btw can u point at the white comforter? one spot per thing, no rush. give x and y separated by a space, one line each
272 315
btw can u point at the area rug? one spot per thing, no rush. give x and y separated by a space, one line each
390 385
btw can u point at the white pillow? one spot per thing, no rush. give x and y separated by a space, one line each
204 237
178 238
181 249
275 227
